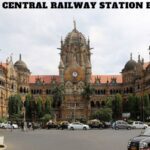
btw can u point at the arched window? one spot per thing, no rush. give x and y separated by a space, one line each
97 104
21 90
92 104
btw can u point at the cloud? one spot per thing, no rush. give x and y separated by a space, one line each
36 34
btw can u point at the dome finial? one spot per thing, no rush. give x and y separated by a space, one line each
20 57
131 56
74 23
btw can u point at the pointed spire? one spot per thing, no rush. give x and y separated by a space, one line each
74 24
61 64
20 57
131 56
61 41
149 53
139 59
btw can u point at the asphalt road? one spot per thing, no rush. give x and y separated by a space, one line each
107 139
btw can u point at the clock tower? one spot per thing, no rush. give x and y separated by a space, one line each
75 73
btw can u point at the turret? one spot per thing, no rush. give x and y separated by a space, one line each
61 71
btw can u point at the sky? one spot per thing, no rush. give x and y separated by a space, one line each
36 34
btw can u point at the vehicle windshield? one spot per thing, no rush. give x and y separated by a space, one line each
146 132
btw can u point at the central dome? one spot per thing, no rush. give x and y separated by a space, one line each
75 38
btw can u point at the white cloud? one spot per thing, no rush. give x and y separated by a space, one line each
36 34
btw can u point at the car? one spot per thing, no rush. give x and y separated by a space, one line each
8 125
78 125
120 124
139 125
140 142
95 124
63 125
51 125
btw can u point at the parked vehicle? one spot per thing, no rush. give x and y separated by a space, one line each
63 125
139 125
78 125
141 142
51 125
95 123
120 124
8 126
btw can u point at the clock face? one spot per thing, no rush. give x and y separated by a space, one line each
74 74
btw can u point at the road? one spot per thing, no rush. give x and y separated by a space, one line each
107 139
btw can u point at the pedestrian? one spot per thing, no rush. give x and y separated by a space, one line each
11 126
22 126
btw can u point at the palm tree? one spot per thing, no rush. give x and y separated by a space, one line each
88 91
57 96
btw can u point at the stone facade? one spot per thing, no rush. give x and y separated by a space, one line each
75 72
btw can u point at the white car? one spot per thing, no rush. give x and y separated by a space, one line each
8 126
139 125
78 125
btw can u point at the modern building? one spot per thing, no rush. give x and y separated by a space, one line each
75 72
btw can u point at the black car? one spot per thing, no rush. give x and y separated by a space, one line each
141 142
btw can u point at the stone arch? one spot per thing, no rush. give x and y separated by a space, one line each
92 104
103 103
21 89
98 104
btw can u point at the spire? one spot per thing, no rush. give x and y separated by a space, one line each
61 64
149 53
131 56
61 41
139 59
74 24
20 57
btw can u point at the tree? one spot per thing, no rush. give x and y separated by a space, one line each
103 114
48 105
88 91
117 107
46 118
146 107
39 107
14 106
29 101
57 92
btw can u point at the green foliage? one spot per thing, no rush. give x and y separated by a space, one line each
39 107
103 114
132 106
29 106
109 102
88 92
146 108
57 92
117 107
14 105
46 118
3 119
48 105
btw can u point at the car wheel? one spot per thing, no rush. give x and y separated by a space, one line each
144 127
71 128
84 128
